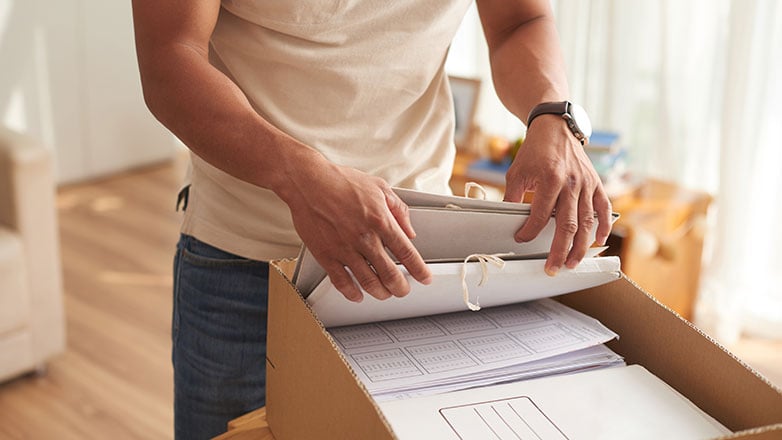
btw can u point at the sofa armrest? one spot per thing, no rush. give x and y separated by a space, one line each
14 293
28 207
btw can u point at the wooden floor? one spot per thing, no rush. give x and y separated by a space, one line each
114 380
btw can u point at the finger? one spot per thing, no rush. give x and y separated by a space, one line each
367 278
407 255
401 213
386 270
567 226
540 211
392 278
602 205
514 192
342 281
586 221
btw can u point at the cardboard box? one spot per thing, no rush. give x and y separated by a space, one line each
313 394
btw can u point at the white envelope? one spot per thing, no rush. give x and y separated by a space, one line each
613 403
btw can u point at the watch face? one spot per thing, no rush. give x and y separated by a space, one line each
581 119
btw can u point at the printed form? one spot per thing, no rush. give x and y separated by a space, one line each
407 355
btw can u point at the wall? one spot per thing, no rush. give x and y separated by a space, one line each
68 75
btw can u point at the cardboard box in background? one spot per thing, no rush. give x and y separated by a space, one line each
313 394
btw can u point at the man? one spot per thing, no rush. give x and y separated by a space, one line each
301 116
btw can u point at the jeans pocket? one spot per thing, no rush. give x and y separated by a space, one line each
198 253
221 305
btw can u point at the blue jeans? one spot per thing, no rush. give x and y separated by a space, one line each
219 338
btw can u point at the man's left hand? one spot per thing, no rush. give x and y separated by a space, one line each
552 163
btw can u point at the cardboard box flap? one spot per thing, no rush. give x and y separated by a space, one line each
301 353
683 356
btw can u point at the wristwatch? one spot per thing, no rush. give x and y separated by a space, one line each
574 115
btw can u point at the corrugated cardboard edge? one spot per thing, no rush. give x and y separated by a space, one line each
730 391
340 406
771 432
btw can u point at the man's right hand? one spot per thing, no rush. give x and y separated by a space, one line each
347 219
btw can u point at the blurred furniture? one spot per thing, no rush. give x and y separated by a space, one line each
31 308
658 237
251 426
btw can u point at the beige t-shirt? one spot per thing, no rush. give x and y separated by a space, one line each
361 81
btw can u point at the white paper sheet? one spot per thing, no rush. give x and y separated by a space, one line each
585 359
411 354
613 403
518 281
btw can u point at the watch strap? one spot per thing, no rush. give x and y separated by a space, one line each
556 108
561 108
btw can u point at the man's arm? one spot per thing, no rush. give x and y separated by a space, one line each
527 70
212 116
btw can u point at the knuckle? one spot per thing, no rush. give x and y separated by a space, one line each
403 209
552 167
390 275
569 227
365 237
555 178
406 254
383 185
369 282
587 222
365 244
341 283
589 181
571 181
377 221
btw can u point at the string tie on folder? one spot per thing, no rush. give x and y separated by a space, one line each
470 185
467 187
484 260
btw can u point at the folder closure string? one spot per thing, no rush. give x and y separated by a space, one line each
468 186
484 260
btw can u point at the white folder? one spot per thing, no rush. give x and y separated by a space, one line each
449 229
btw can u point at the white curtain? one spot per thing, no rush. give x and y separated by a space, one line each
694 87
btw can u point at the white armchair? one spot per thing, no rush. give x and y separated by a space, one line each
32 327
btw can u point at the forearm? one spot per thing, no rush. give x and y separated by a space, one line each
212 116
527 65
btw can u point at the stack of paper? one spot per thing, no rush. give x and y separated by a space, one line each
439 353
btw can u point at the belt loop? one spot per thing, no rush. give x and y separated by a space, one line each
183 197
